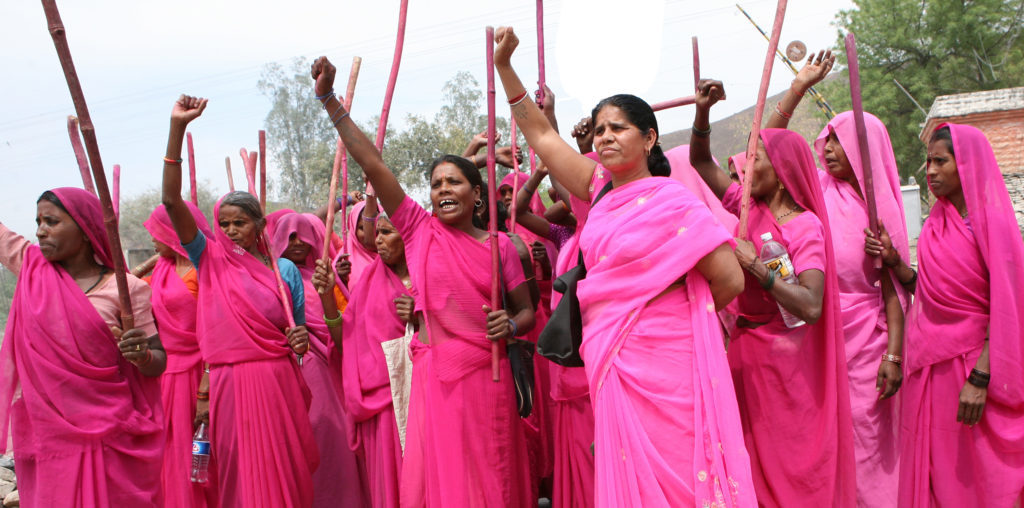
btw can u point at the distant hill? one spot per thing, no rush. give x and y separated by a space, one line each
730 134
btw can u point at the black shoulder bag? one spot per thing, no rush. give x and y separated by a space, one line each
520 358
561 338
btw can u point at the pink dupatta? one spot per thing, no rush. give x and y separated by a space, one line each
359 255
77 409
796 379
969 283
640 239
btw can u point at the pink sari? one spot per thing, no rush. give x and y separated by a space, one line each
969 281
370 320
339 480
253 378
174 308
464 442
865 328
87 425
658 443
791 384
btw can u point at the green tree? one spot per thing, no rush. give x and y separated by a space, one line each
136 209
932 48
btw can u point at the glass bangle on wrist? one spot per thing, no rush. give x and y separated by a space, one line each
333 322
889 357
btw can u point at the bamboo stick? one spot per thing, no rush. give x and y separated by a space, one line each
83 163
696 62
283 293
57 33
249 163
389 93
146 266
862 136
682 101
231 179
755 130
263 170
192 170
115 197
515 176
492 212
340 154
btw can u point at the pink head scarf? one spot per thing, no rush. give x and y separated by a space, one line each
84 207
737 162
45 353
886 176
996 231
679 159
241 316
536 203
359 255
173 306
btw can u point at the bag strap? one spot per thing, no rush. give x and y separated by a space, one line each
604 190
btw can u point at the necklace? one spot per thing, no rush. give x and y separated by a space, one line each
787 214
103 271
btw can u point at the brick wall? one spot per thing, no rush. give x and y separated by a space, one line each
1005 131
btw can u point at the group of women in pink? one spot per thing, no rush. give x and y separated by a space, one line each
713 377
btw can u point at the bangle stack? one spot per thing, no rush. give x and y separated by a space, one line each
202 395
889 357
700 133
326 97
173 162
783 114
767 285
372 220
515 329
979 378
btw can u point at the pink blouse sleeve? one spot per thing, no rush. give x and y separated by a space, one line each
12 249
806 238
732 197
511 268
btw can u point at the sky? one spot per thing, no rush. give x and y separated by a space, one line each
135 57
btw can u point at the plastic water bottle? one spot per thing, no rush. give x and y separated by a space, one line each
201 455
774 255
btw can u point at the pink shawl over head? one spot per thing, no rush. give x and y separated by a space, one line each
241 316
737 162
679 159
886 175
65 385
641 238
173 306
359 255
536 203
823 347
945 239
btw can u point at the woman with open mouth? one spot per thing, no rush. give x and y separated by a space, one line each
464 444
82 400
244 336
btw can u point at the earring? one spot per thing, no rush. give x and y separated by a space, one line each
647 152
479 203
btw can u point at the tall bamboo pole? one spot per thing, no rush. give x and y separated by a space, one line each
682 101
193 191
862 135
339 155
60 42
755 130
249 163
115 197
515 177
263 170
492 197
389 93
541 76
231 179
696 62
83 163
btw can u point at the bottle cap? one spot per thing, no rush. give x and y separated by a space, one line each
766 237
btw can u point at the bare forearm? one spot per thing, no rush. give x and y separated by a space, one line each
798 299
893 316
787 105
181 218
365 153
701 159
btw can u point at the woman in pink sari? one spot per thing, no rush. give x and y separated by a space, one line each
658 266
82 403
261 437
338 481
175 290
962 421
791 382
380 308
464 441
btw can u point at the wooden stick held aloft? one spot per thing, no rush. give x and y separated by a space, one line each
389 93
755 130
249 163
492 200
83 163
339 156
231 179
115 197
193 190
263 170
59 37
682 101
515 178
696 62
862 134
